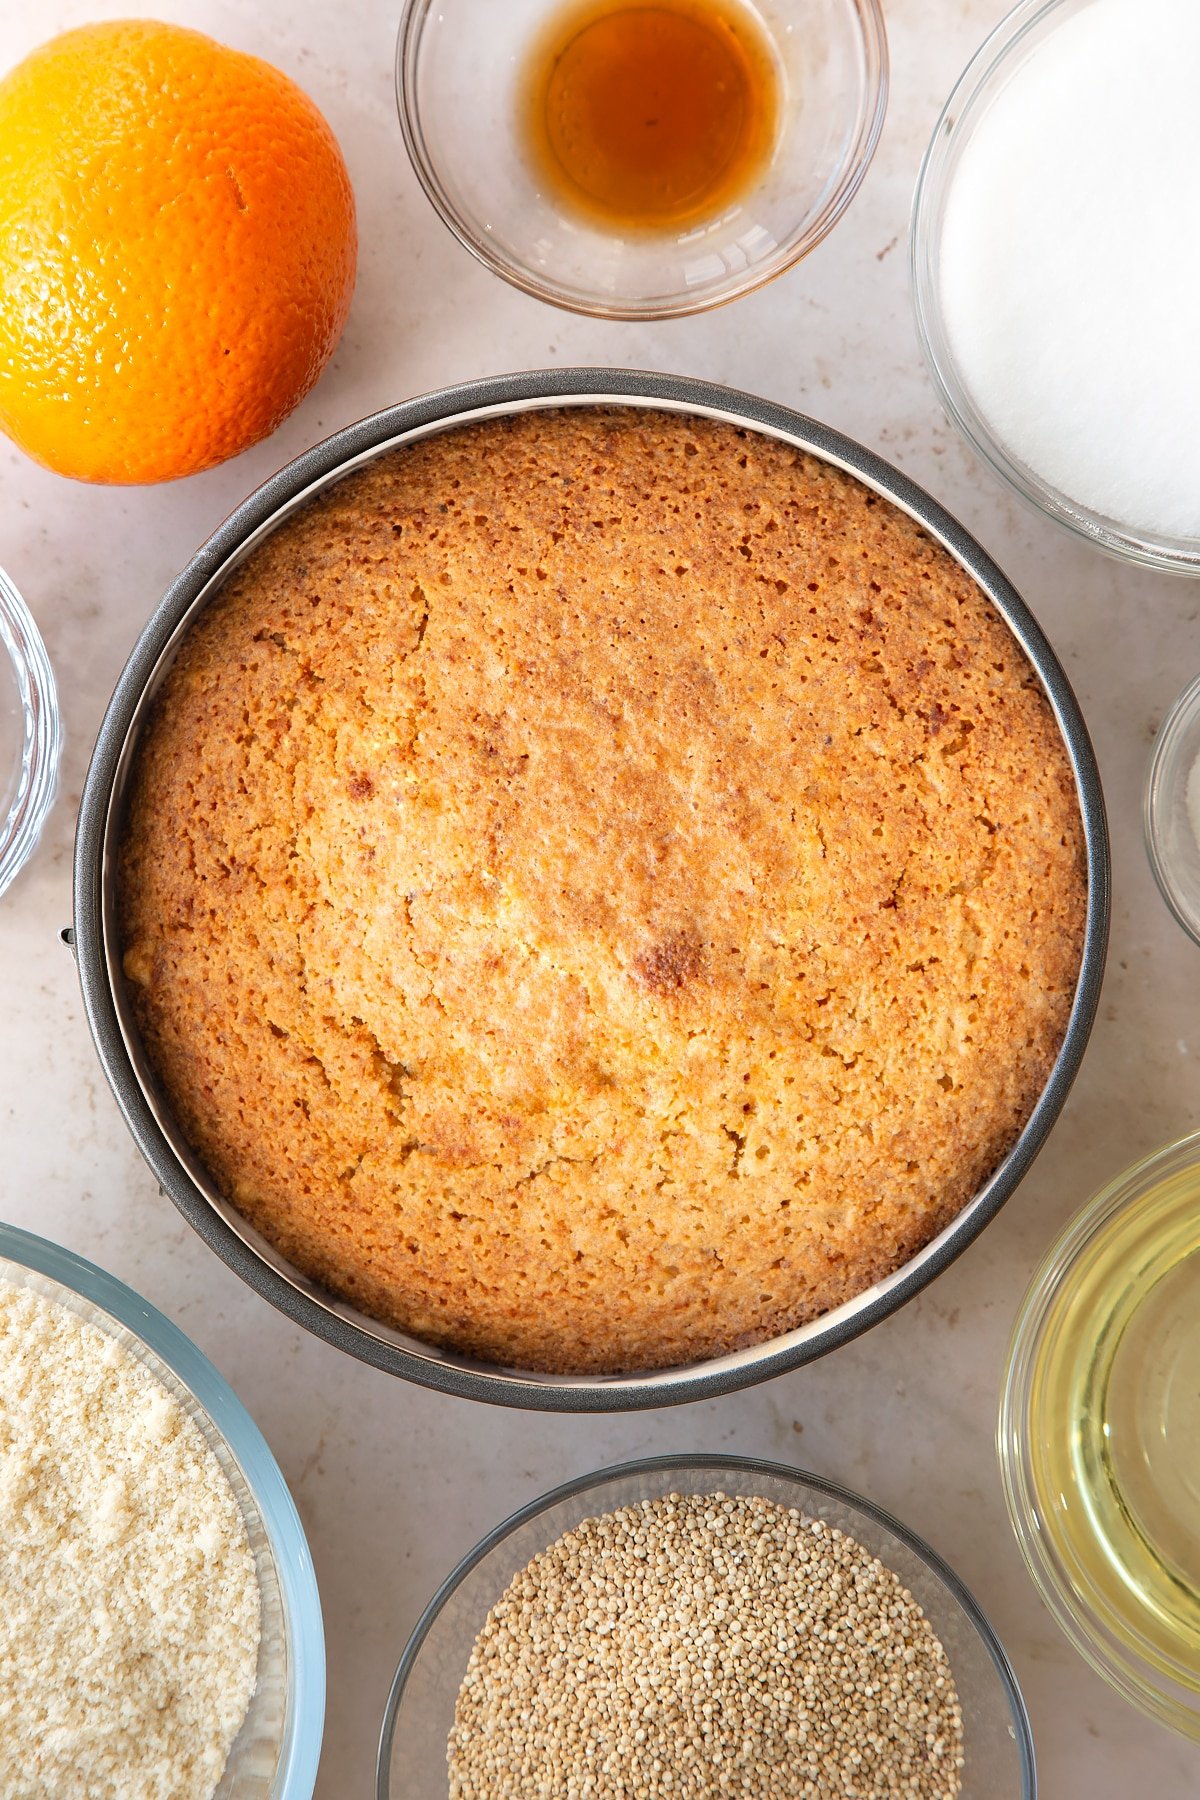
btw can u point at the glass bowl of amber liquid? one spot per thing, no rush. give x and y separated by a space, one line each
641 161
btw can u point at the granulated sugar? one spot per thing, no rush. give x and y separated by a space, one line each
129 1606
1070 262
706 1646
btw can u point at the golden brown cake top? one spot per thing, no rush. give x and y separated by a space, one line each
601 887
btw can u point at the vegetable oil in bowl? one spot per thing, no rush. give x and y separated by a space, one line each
1101 1433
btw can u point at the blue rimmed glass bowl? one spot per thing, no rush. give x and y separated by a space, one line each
275 1754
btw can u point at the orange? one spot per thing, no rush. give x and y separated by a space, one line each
177 251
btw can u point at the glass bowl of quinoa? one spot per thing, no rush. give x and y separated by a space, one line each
160 1627
704 1626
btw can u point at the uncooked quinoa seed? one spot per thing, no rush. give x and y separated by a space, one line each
698 1646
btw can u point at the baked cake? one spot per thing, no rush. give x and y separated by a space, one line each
600 888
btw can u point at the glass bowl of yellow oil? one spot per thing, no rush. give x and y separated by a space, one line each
1099 1433
640 159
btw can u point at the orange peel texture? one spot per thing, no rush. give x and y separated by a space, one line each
177 251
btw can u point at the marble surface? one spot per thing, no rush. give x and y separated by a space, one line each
393 1483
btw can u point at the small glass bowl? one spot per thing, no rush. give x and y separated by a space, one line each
1099 1433
275 1754
30 733
997 1746
459 65
1171 810
1015 41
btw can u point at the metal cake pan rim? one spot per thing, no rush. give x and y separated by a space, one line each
291 1294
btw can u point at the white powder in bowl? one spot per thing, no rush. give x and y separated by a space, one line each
129 1605
1070 263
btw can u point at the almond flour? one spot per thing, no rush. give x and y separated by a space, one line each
129 1604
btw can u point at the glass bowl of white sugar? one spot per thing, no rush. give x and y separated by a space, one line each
1172 810
160 1628
1055 258
704 1624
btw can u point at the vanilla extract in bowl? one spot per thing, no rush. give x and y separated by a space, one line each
640 161
651 117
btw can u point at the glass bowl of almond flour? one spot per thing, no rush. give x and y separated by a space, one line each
704 1626
160 1628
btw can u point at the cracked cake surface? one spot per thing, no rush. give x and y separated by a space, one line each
600 888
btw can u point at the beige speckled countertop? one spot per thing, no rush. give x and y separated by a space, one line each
393 1483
